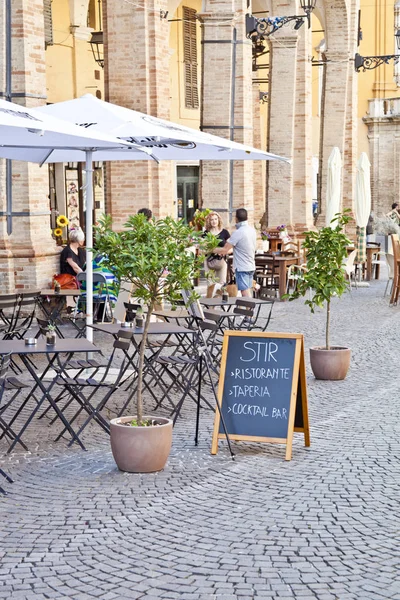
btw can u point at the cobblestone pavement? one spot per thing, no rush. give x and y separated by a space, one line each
323 526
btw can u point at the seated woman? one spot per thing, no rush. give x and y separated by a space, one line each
72 258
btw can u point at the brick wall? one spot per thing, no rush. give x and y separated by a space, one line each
29 256
219 84
137 76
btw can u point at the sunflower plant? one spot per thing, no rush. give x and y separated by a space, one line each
62 221
157 258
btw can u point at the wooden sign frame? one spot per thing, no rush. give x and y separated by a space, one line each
298 384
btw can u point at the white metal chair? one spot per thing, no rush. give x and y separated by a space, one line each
294 274
350 267
378 261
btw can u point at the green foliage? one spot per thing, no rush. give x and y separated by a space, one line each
325 277
153 255
157 258
199 217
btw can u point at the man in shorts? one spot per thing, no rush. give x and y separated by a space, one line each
243 244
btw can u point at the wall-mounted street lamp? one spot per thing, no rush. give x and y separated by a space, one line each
367 63
96 44
260 28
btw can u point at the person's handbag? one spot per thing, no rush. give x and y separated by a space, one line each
66 281
215 264
231 286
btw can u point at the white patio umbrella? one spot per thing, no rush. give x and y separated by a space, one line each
333 188
159 140
166 140
362 203
27 135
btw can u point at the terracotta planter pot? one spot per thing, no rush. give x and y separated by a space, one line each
330 364
141 449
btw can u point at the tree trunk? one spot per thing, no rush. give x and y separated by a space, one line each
142 350
328 314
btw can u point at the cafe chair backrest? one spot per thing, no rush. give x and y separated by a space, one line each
194 308
244 307
5 360
97 278
292 246
43 324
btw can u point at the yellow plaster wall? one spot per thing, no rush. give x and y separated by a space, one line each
179 113
317 74
377 24
70 66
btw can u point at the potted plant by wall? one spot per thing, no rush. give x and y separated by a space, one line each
155 257
325 278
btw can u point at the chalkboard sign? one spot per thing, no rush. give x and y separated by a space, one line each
262 389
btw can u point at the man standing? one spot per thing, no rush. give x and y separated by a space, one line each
243 244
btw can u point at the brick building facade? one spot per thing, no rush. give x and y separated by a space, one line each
190 62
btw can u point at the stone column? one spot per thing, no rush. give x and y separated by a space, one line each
334 116
29 256
136 51
302 218
227 104
282 99
350 150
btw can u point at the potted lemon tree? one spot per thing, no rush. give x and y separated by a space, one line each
156 257
325 278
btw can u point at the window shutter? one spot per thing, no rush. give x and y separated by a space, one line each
190 57
48 23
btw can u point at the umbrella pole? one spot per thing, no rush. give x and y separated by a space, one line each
89 244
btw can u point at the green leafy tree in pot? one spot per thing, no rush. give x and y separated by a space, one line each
157 258
325 277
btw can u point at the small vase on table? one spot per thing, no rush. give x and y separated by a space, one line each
51 335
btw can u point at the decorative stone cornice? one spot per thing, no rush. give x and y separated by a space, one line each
81 33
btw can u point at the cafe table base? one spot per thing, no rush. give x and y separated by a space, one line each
7 478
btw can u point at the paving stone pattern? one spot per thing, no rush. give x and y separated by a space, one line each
323 526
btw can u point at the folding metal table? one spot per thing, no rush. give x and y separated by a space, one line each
69 346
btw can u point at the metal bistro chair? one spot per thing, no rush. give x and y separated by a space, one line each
25 315
83 390
268 280
9 308
14 386
245 306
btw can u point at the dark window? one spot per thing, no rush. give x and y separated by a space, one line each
48 23
190 57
